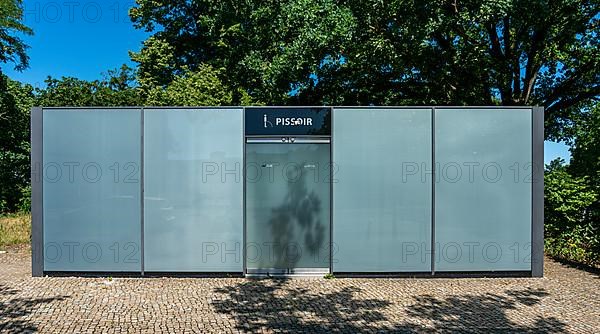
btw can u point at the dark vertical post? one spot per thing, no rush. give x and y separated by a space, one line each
244 264
142 264
331 121
37 193
433 191
537 192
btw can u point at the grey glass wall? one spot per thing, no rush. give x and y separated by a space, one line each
91 190
483 195
482 212
193 219
382 190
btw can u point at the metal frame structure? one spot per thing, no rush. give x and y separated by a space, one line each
299 139
37 192
537 193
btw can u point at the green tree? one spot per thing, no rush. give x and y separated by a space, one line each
265 48
510 52
116 88
585 151
12 47
156 64
16 100
585 163
571 225
201 88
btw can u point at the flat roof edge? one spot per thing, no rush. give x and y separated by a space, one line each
291 107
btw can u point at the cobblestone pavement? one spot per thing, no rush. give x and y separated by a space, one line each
566 300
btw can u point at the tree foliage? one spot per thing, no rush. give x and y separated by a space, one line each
265 48
585 164
117 88
161 84
156 64
201 88
123 87
572 227
16 99
12 47
585 150
510 52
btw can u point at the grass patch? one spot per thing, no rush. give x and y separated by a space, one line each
15 229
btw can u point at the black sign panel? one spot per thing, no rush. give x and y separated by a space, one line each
288 121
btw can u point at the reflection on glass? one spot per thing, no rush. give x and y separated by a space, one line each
483 194
193 219
287 206
382 200
92 190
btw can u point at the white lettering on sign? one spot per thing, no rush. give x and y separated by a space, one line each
288 121
293 121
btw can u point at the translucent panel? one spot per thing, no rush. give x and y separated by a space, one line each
483 197
193 219
92 190
382 193
287 206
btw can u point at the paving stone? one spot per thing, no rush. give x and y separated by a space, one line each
565 300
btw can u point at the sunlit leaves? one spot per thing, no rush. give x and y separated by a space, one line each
200 88
397 52
12 47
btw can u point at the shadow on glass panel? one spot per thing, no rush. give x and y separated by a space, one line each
301 209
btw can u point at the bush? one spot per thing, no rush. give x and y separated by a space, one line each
25 202
571 232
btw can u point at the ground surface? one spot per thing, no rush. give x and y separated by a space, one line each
566 300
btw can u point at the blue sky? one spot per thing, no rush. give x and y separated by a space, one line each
556 150
86 38
77 38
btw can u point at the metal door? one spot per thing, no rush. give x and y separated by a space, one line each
288 200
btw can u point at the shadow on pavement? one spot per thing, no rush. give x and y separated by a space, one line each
14 311
484 313
276 305
580 266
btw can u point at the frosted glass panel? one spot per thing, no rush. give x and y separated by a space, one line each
483 197
287 206
193 218
382 193
92 190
